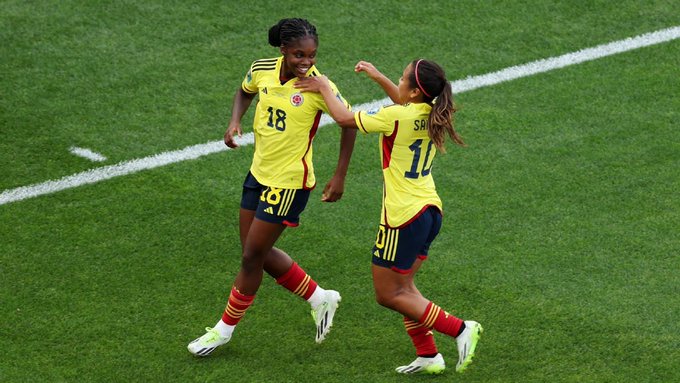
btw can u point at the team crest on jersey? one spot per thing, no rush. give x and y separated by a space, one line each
373 111
297 99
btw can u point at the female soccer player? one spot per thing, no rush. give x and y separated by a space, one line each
411 209
281 176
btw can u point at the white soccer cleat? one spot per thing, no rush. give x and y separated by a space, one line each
207 343
434 365
323 314
467 343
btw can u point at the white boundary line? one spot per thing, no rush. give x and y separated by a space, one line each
87 153
123 168
459 86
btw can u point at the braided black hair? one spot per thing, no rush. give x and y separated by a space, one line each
287 31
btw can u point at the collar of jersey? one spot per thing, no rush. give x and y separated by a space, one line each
420 106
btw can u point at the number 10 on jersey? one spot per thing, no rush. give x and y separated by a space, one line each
416 148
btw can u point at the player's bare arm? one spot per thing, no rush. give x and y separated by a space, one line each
374 74
337 109
336 186
242 101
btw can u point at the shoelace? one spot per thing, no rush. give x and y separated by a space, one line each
215 334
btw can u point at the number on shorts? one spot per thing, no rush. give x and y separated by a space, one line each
271 195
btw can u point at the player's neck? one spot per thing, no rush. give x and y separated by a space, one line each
285 77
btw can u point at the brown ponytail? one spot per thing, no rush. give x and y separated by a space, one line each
431 80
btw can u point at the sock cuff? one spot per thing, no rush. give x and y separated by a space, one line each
297 281
430 315
241 298
236 307
288 274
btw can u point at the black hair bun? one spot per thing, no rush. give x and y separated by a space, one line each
275 34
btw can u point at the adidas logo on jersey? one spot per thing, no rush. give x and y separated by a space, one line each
269 210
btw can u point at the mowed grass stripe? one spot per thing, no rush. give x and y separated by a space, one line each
460 86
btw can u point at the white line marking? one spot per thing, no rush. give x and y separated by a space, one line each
459 86
120 169
578 57
545 65
87 153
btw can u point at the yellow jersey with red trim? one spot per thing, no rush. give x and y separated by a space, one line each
284 126
407 155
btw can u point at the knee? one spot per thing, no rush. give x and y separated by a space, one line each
252 261
388 297
382 299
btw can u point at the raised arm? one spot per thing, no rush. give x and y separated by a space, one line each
242 101
388 86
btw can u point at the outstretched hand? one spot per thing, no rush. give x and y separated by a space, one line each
312 84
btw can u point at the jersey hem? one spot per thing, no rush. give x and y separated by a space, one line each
418 214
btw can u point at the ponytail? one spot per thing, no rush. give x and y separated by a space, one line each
430 78
440 122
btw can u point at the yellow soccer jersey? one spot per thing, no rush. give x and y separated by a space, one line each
285 123
407 155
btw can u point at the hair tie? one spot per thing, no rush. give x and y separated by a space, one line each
418 81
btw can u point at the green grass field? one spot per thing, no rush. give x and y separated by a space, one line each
561 217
